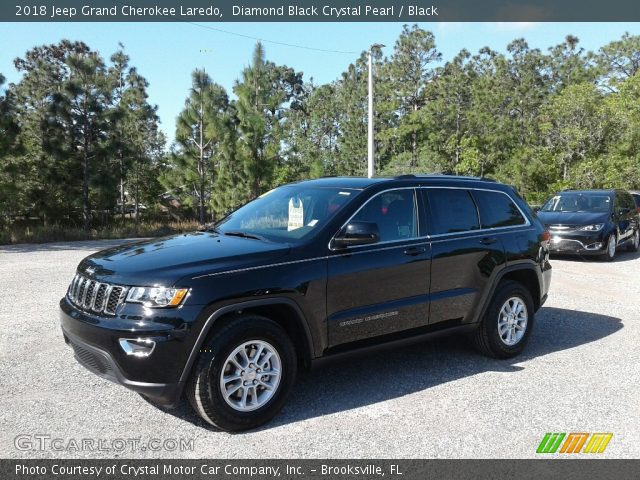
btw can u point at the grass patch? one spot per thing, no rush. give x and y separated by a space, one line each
118 229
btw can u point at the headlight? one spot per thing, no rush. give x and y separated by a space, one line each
592 228
157 296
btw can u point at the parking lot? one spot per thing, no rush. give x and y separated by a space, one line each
580 373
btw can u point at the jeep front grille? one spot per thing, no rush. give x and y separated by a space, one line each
95 296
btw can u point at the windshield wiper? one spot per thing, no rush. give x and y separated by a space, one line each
245 235
214 229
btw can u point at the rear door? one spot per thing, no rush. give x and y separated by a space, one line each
464 256
383 288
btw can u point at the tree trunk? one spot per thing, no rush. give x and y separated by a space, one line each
414 143
201 169
122 185
86 213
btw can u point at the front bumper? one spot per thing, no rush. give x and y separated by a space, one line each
577 244
95 342
102 364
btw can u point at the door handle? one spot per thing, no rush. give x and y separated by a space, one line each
488 240
415 251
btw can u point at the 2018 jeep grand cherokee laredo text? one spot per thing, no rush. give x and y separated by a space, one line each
308 270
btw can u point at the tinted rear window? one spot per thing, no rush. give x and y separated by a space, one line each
497 210
637 200
452 210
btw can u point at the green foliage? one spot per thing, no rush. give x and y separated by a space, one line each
128 228
80 126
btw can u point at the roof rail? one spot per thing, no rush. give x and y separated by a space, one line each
400 177
439 174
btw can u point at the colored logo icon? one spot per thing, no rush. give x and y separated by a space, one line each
574 443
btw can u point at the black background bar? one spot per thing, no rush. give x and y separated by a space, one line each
320 10
565 469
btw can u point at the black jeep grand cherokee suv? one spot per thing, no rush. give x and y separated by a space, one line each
308 270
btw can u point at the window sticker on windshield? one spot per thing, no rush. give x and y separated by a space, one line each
296 214
312 223
344 193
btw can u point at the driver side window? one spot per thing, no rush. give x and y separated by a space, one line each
394 212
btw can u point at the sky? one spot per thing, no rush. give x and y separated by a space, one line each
167 53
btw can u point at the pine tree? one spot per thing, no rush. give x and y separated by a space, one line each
201 133
133 132
409 73
80 124
264 92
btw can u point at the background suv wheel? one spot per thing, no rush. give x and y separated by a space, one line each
244 374
634 243
612 244
507 324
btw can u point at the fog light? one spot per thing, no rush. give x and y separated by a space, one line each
138 347
595 246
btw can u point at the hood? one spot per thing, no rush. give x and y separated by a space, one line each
572 218
163 261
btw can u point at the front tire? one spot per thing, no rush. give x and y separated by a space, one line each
243 375
507 324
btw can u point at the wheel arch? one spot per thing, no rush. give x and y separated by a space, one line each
524 274
284 311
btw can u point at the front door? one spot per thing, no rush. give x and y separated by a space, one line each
382 288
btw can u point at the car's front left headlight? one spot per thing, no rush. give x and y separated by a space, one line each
157 296
592 228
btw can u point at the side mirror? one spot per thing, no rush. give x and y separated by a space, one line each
536 208
357 233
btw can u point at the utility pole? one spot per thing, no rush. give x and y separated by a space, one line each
370 148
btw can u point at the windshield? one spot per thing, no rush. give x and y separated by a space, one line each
578 202
288 213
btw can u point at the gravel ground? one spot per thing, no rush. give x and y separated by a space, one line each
439 399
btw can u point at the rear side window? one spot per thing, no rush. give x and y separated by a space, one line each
637 199
497 210
452 210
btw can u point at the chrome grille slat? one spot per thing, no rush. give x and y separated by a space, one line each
88 294
76 286
94 296
72 287
114 299
98 302
82 291
92 303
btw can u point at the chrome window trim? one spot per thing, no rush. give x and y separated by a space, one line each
415 205
438 235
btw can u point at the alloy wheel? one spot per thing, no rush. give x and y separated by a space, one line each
251 375
512 321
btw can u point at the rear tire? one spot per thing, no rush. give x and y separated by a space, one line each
634 244
251 354
507 324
